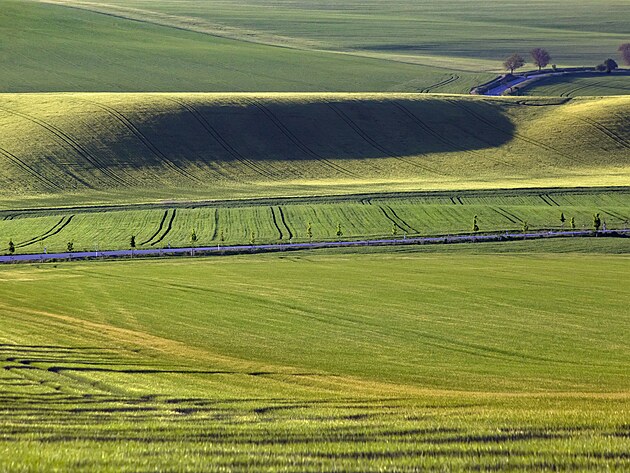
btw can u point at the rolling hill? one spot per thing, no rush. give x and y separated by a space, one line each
90 148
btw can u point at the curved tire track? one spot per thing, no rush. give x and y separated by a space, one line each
158 230
168 229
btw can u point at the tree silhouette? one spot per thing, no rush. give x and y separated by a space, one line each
541 57
515 61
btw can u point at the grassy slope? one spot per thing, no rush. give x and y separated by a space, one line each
459 33
577 86
283 221
53 48
465 371
139 147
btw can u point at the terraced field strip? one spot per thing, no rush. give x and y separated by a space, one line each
270 221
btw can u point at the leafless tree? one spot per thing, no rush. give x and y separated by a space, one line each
515 61
624 49
541 57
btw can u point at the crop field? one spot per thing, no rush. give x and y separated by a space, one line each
231 223
458 34
259 362
112 148
576 86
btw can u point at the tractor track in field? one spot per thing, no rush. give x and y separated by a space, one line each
216 225
227 147
284 222
547 199
570 92
506 215
617 139
391 215
158 230
168 228
128 124
29 170
451 79
295 140
445 141
56 229
616 215
513 134
67 141
275 223
357 129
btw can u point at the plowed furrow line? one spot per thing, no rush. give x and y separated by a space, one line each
295 140
374 144
514 134
158 230
236 155
284 222
168 229
275 224
123 120
29 170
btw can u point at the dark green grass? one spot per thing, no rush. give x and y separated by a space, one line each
318 362
49 48
581 85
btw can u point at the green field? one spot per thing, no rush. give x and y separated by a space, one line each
259 362
104 148
580 86
287 220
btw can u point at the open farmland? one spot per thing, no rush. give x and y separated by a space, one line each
580 85
287 220
112 148
127 366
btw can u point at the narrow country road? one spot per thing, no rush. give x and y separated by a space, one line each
274 247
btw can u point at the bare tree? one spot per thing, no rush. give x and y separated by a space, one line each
624 49
541 57
515 61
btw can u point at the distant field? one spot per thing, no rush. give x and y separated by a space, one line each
452 33
576 86
104 148
114 54
231 223
260 362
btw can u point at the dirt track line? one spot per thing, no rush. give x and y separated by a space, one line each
401 220
24 243
284 222
158 230
48 234
22 165
617 139
168 229
64 140
295 140
449 143
222 142
275 223
514 134
374 144
123 120
505 215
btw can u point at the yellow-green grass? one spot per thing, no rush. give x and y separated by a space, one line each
115 54
580 85
386 361
63 149
231 223
453 33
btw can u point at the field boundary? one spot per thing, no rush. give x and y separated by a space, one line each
281 247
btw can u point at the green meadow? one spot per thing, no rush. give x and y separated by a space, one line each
580 86
260 362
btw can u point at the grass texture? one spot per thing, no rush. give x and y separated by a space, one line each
94 148
260 362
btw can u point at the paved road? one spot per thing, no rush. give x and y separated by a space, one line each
444 239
